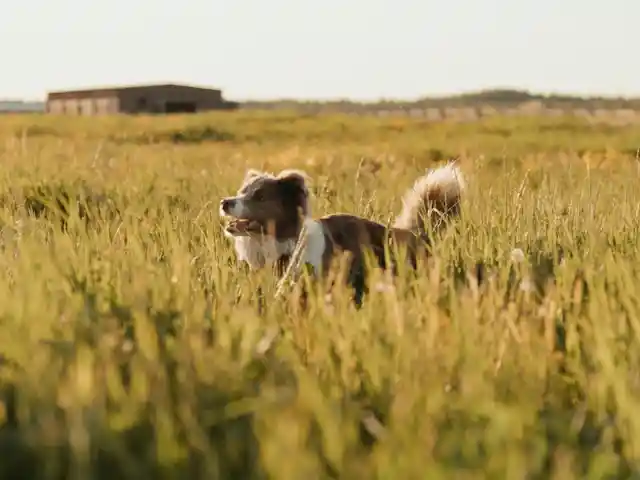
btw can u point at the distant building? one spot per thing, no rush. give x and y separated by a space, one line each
159 99
21 106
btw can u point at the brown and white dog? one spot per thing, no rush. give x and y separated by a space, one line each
269 211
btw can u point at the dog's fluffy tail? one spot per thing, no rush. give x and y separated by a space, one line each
432 201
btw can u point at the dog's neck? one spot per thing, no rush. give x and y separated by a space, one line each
288 230
267 250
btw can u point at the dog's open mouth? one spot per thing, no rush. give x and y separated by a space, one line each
243 227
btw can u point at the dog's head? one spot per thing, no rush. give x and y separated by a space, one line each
267 204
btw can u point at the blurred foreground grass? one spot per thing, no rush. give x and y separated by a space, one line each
131 345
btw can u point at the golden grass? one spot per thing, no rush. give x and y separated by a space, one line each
132 347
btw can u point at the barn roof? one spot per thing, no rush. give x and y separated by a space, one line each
114 90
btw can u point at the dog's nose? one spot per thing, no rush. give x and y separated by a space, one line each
226 204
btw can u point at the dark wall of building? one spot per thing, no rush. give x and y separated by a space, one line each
170 99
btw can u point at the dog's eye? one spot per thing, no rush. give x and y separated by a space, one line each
257 197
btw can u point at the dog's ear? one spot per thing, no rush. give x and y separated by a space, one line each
251 174
294 178
294 183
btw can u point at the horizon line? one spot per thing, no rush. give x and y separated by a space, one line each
347 99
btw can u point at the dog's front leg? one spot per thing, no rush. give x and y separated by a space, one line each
305 278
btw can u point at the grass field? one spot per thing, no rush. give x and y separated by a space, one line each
131 345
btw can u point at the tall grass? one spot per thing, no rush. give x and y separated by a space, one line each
132 345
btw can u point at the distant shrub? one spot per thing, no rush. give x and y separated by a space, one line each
191 135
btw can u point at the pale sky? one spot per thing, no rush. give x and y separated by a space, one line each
359 49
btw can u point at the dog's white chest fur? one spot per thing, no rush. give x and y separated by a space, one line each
259 252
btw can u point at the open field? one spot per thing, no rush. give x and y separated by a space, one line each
131 345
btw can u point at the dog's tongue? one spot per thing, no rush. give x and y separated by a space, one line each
237 226
242 226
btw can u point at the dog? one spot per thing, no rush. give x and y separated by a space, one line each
269 212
